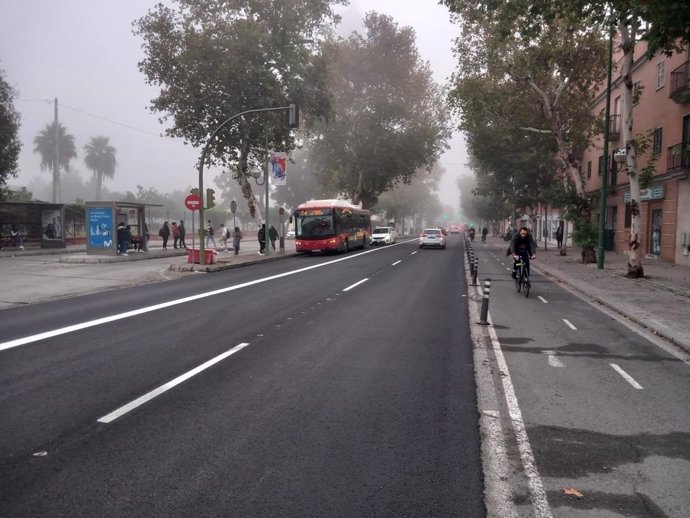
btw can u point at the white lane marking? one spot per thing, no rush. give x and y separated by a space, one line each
627 377
553 359
167 386
542 299
536 487
355 284
113 318
569 324
396 262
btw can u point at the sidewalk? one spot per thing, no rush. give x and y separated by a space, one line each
660 301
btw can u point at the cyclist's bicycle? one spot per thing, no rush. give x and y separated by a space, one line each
522 283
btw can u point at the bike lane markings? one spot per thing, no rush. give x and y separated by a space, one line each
569 324
627 377
553 359
542 299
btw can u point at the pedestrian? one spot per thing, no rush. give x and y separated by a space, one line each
559 235
236 238
224 236
273 235
122 239
16 236
209 234
183 231
262 238
175 233
164 232
485 231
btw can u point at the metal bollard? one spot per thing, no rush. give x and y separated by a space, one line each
470 259
475 271
485 303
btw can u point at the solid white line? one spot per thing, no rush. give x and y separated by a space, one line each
542 299
569 324
355 284
113 318
167 386
627 377
396 262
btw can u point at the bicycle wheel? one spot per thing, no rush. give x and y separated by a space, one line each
525 285
518 279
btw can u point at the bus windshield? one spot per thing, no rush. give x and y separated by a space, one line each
314 223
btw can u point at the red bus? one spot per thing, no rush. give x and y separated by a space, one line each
330 226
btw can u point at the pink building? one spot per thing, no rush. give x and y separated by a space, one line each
663 112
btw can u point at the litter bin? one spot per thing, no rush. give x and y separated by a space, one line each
193 256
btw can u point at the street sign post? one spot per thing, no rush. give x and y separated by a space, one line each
192 202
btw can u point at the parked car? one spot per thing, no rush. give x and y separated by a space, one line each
290 234
383 236
432 237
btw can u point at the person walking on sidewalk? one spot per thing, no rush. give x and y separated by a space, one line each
261 236
164 232
559 235
236 238
183 231
16 236
224 236
273 235
175 234
209 234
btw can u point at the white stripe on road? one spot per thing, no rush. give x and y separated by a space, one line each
167 386
396 262
163 305
627 377
569 324
553 359
542 299
355 284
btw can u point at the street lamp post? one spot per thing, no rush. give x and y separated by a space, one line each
605 168
256 175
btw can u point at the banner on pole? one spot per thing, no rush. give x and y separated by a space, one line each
278 168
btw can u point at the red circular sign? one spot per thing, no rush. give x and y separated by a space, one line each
192 202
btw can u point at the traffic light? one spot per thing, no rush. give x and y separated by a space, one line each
210 198
293 115
195 191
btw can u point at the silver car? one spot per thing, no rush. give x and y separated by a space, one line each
432 237
383 236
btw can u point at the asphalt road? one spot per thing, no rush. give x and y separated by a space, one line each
602 426
311 386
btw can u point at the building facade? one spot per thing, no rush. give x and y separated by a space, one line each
662 114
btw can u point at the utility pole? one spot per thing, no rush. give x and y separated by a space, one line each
605 165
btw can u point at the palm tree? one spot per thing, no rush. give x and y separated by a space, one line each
100 158
44 144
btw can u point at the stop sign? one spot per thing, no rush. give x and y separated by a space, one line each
192 202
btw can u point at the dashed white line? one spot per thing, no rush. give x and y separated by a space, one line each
542 299
167 386
355 284
569 324
396 262
627 377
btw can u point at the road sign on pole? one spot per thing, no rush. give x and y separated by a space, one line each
192 202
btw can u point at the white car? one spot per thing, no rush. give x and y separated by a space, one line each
432 237
383 236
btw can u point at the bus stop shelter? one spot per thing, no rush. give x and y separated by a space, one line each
102 219
40 224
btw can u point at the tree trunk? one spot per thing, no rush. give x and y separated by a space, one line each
628 35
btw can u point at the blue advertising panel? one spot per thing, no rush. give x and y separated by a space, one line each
100 232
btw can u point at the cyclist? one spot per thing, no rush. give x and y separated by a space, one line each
522 246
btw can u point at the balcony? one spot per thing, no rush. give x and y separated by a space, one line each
680 84
678 157
614 127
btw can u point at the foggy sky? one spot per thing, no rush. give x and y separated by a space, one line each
83 53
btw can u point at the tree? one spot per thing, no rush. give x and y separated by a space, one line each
100 158
670 24
45 145
553 56
213 59
9 134
390 116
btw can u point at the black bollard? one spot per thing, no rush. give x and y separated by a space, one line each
485 303
475 271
